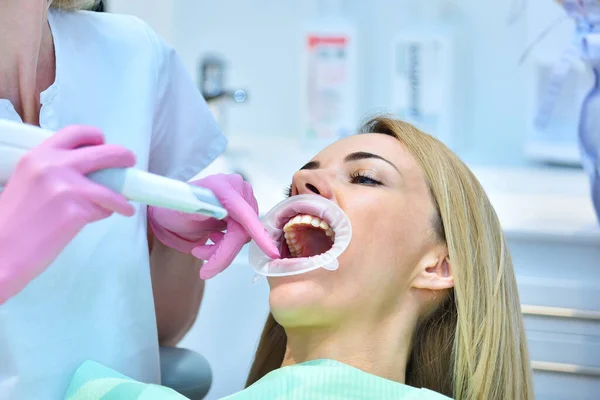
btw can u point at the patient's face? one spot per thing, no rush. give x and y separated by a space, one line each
382 189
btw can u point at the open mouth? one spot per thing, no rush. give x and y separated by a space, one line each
306 236
311 232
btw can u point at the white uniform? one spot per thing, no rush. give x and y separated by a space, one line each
95 301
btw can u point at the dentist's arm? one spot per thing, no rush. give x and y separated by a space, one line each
177 290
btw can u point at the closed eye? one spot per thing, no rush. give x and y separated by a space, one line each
357 178
362 179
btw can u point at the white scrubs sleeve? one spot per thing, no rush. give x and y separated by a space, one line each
185 137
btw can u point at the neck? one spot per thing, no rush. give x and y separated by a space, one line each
27 65
379 347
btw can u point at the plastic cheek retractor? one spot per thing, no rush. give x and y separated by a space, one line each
282 213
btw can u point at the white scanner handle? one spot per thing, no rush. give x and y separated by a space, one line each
16 139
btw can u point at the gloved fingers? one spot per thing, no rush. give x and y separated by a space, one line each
257 233
221 254
236 181
97 212
94 158
222 257
245 189
74 136
169 217
204 252
243 213
204 224
237 207
105 198
203 220
172 240
80 211
237 198
185 224
216 237
263 240
249 196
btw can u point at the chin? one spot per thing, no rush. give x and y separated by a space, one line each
299 299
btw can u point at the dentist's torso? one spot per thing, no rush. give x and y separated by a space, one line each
95 301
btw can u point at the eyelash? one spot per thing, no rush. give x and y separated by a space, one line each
355 177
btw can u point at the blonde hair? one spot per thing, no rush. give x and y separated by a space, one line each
473 346
73 4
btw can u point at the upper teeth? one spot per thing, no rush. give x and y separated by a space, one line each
303 220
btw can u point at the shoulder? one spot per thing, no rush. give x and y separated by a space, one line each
109 33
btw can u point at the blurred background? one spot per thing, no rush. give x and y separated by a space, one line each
284 78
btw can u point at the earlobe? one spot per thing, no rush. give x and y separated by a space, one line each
435 275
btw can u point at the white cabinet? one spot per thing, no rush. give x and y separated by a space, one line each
559 288
554 241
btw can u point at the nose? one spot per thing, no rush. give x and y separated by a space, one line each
312 182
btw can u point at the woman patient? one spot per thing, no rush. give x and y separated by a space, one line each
425 295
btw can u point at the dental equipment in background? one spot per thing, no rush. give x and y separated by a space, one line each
586 46
16 139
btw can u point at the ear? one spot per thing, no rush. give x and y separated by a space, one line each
434 273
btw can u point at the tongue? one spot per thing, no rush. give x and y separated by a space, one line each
312 241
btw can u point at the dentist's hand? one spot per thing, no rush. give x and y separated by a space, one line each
188 233
48 200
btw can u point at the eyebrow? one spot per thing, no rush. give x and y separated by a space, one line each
312 165
357 156
363 155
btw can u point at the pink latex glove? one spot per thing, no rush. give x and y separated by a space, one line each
48 200
188 233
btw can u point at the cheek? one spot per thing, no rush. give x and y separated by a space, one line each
384 245
377 235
